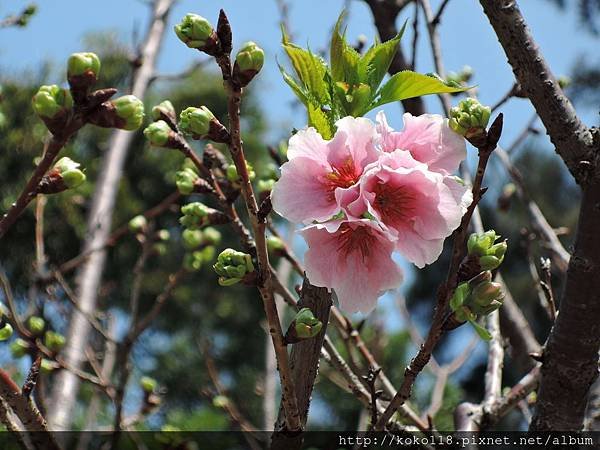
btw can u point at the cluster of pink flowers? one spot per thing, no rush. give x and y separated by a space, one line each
368 192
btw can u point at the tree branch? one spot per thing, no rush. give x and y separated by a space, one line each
573 140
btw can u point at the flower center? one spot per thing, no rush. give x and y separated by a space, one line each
341 176
357 239
394 203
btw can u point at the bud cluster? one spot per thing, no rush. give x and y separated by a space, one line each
83 70
164 111
197 32
469 118
201 123
54 341
64 175
198 215
196 259
483 246
160 134
248 62
304 326
232 174
232 266
6 329
185 180
479 296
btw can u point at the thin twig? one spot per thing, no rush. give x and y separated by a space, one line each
438 16
493 374
265 288
151 213
447 288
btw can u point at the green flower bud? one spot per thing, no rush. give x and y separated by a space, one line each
163 235
250 57
274 244
486 297
19 348
480 243
36 324
265 186
232 174
248 62
192 261
131 110
51 101
54 341
191 222
499 249
195 209
469 118
489 262
185 180
196 120
148 384
86 63
207 254
194 31
158 133
232 266
165 108
192 238
6 331
46 366
306 324
220 401
138 224
212 236
69 171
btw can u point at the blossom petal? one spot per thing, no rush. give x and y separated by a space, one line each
300 195
428 138
358 274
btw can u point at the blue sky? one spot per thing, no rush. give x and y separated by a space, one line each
467 38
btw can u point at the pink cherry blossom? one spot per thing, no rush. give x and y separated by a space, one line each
428 138
420 208
315 180
354 259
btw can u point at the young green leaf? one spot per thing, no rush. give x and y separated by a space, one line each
311 70
297 89
482 332
318 119
408 84
344 59
375 63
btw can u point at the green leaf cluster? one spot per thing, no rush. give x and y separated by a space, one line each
350 85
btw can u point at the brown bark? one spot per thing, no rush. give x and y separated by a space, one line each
304 361
304 357
570 360
573 140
